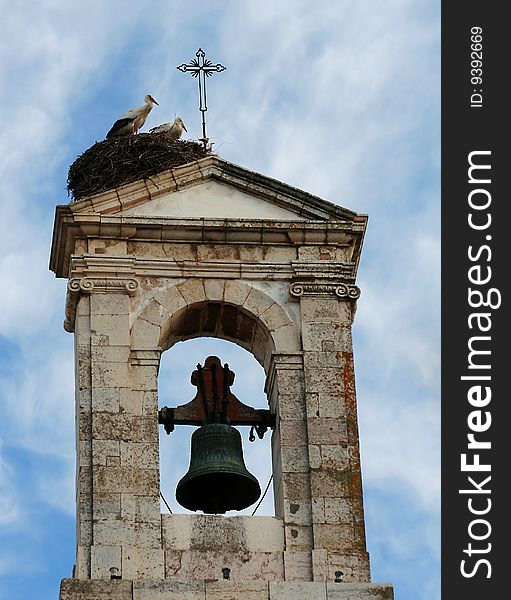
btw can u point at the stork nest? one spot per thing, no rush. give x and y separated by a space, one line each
118 161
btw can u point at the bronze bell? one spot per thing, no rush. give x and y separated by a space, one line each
217 479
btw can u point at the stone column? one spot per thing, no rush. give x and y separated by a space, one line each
292 486
118 466
332 431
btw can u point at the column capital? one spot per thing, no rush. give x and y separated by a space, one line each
343 291
91 285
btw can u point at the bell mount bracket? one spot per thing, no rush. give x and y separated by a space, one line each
214 402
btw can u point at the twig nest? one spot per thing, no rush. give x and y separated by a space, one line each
117 161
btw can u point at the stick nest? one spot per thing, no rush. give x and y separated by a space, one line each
118 161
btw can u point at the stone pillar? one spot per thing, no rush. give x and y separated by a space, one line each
332 431
118 460
292 485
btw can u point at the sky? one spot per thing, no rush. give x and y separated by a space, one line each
340 99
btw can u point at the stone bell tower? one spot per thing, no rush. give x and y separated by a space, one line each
209 248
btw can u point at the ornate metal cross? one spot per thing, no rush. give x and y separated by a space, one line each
201 68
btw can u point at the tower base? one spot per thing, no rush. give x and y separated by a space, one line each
171 589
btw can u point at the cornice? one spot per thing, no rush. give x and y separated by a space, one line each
70 227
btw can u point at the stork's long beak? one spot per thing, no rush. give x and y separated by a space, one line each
185 128
153 100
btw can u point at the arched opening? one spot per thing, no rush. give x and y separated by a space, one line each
175 388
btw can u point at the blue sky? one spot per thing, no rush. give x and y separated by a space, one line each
339 99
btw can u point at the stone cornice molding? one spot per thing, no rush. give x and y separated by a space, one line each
70 227
89 285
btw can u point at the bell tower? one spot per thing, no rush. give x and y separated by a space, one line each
208 248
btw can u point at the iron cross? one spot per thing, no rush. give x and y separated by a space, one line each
201 68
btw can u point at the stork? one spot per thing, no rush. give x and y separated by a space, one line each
172 130
131 121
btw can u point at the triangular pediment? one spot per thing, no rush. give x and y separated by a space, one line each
211 199
212 188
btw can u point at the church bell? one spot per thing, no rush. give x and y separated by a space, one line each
217 479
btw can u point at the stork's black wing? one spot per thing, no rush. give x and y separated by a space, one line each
120 127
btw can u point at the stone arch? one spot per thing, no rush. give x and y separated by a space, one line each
233 310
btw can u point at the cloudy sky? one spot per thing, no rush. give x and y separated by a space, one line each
340 99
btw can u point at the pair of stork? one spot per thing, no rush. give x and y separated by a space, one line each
131 121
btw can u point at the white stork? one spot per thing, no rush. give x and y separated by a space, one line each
133 120
173 130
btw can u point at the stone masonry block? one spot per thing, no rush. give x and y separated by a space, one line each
341 511
354 565
214 289
331 407
293 434
143 455
114 327
144 378
327 381
297 512
314 334
114 479
290 382
296 486
109 304
337 537
156 313
106 399
142 563
123 532
274 317
192 291
294 590
287 339
82 567
110 375
331 484
319 565
145 335
298 537
256 302
232 590
138 402
102 449
87 589
83 306
171 299
333 456
168 589
295 459
236 293
297 565
107 506
208 564
327 431
359 591
140 508
328 310
102 559
117 354
112 426
291 406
